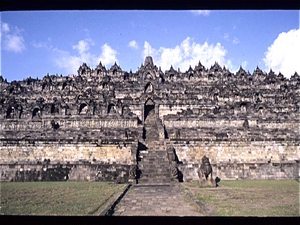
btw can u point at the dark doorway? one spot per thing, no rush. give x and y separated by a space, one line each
149 108
36 113
83 108
111 109
9 112
54 109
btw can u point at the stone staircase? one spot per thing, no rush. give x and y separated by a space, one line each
154 166
151 133
153 162
150 128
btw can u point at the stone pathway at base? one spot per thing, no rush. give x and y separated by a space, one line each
161 200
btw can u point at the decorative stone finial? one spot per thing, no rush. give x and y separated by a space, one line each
148 61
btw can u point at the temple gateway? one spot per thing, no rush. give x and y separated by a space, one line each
150 126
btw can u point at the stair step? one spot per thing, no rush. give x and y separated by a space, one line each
144 161
157 154
152 168
148 167
152 156
160 171
155 171
154 164
153 152
155 178
155 157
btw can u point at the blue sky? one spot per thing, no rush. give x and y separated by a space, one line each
35 43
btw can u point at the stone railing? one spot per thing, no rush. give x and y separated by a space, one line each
19 125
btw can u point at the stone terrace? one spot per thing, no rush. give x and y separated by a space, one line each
112 125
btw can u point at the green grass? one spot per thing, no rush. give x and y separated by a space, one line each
250 197
57 198
232 198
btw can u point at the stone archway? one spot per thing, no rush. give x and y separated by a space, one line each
36 113
83 108
149 88
149 110
54 109
111 109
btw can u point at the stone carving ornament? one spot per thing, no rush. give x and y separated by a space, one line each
205 169
174 171
133 171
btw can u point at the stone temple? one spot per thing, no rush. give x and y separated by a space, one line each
150 126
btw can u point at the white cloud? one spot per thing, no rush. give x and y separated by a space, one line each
235 40
201 12
186 54
13 41
284 54
108 55
84 45
64 59
71 63
133 44
5 27
170 57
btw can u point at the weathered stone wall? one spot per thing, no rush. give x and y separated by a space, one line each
241 160
40 161
15 125
47 171
240 152
171 109
194 123
253 171
23 152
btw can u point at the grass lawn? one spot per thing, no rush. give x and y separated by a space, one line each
57 198
250 197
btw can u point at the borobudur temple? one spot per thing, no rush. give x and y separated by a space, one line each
150 126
